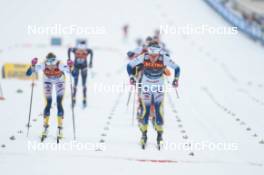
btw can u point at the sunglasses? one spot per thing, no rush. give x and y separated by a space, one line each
51 62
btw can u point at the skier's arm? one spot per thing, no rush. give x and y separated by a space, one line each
34 69
136 52
132 64
69 52
90 51
170 63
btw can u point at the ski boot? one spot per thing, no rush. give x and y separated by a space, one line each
84 96
143 139
159 140
44 134
59 134
84 103
59 131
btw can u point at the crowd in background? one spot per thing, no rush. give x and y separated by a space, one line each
249 14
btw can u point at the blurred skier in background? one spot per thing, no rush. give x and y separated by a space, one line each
125 31
139 42
81 53
54 75
140 49
152 85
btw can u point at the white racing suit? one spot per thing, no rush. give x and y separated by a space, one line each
52 77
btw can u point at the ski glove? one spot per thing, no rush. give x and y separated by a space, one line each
70 63
90 65
175 82
34 61
132 80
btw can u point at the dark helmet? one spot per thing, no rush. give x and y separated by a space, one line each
51 59
50 55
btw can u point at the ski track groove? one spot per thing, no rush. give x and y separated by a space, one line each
230 113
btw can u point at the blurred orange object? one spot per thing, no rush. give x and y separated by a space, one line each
167 72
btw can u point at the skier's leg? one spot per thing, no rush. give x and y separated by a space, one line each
48 98
76 79
140 106
84 80
159 121
60 89
144 118
159 116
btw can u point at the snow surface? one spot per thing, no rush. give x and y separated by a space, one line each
221 92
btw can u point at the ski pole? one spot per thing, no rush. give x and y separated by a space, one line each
134 104
177 94
73 115
1 93
129 96
30 106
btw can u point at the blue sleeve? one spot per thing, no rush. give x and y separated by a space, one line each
130 54
177 71
69 52
129 69
90 51
132 64
29 71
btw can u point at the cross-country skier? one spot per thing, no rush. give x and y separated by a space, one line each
152 87
125 29
81 52
53 71
149 42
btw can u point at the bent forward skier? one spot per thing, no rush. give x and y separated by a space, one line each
152 91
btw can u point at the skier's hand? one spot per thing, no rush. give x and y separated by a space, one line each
175 83
132 80
90 65
70 63
34 61
74 73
